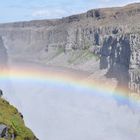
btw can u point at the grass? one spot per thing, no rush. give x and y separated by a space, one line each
10 116
57 52
81 56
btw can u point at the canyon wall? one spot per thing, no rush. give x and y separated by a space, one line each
99 39
3 55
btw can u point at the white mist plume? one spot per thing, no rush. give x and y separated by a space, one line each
61 113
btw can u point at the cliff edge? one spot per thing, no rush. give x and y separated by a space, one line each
12 126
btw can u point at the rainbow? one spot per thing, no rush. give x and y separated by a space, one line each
32 74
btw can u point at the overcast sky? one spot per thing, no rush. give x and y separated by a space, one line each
19 10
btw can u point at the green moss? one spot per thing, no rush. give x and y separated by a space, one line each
10 116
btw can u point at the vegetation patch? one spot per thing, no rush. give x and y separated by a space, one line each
10 116
80 56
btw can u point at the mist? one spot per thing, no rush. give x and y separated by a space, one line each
65 112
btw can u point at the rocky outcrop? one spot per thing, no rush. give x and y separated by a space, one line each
134 69
110 34
115 56
1 93
4 132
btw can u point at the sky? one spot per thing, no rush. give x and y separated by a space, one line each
20 10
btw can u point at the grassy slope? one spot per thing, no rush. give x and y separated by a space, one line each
10 116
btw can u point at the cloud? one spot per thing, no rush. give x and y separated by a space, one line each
105 0
49 13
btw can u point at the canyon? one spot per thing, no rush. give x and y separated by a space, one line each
101 41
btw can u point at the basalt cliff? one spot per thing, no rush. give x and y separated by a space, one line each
105 42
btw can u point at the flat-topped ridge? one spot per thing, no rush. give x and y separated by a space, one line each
95 14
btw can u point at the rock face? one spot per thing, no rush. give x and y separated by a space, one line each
1 93
110 34
3 55
4 132
134 67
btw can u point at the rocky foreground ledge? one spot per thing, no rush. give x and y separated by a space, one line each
12 126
